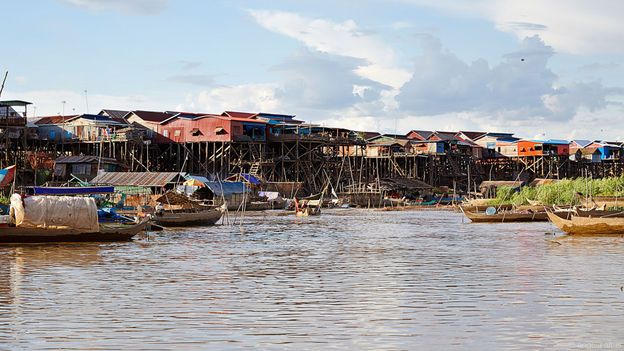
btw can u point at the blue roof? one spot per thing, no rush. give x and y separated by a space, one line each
557 141
226 188
553 141
98 118
87 190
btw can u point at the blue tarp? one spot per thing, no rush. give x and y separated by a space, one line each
109 215
248 177
86 190
251 179
226 188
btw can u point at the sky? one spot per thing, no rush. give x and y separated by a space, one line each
540 69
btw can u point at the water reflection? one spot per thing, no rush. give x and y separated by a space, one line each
348 279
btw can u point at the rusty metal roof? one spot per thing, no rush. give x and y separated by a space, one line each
85 159
136 178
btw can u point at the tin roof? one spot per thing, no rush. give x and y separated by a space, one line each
85 159
152 116
15 103
235 114
55 119
136 178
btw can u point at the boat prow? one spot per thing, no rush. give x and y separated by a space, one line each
578 225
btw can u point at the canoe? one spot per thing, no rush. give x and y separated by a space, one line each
108 232
506 217
186 218
579 225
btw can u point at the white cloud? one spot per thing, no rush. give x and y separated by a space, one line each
317 80
521 87
344 39
248 97
135 7
576 26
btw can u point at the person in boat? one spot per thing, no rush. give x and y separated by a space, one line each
160 209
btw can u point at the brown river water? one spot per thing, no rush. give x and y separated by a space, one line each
348 280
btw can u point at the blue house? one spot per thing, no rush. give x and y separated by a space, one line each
609 151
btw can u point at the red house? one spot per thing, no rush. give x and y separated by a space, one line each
152 121
189 128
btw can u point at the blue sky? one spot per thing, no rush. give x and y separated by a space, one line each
551 68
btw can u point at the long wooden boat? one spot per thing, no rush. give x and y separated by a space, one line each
183 218
587 225
506 217
108 232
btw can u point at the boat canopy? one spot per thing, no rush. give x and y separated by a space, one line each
87 190
56 212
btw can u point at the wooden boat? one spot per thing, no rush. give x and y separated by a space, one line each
581 225
482 208
310 206
308 211
180 211
180 218
506 217
41 219
107 232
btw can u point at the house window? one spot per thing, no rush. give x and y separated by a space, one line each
176 133
166 133
196 132
221 130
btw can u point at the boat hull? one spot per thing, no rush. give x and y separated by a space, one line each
506 217
577 225
185 219
308 211
107 233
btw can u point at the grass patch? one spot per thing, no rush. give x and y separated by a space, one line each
564 192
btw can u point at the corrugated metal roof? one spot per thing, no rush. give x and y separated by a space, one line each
55 119
84 159
152 116
136 178
14 103
114 114
236 114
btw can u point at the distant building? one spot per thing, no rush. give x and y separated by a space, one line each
12 123
551 147
212 128
497 144
83 167
587 154
419 134
609 151
152 121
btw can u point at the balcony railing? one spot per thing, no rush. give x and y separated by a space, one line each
12 121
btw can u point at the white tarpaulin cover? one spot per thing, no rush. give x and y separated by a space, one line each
79 213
